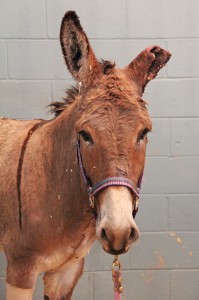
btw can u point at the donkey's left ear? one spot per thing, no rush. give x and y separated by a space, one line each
147 65
78 54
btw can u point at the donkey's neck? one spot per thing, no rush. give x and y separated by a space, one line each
53 197
64 175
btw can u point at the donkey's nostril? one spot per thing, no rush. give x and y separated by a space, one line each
103 235
134 235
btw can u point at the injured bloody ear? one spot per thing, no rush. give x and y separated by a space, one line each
147 64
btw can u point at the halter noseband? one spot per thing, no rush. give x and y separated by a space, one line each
110 181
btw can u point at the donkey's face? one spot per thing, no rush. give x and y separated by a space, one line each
112 125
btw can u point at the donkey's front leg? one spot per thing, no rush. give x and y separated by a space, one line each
21 276
59 284
15 293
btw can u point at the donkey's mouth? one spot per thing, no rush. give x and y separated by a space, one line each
112 251
118 252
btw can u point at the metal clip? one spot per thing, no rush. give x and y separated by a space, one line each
80 85
116 263
117 275
136 203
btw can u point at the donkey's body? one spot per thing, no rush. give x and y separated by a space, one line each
57 225
46 222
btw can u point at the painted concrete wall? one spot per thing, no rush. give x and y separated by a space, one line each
164 264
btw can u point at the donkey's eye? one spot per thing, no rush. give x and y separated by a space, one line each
86 136
143 134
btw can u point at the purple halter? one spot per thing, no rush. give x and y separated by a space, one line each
111 181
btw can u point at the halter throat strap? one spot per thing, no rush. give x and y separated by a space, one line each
110 181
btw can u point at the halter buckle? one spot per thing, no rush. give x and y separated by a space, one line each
91 197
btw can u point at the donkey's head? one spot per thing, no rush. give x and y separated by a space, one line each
112 125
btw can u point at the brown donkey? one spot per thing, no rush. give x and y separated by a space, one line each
68 181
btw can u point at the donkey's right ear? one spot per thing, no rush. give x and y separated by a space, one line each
76 49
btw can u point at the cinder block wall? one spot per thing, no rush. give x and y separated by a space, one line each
164 264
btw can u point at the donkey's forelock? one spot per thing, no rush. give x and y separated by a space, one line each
72 93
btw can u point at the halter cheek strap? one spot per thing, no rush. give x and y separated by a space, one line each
110 181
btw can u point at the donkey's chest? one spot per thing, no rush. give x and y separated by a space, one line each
71 249
83 246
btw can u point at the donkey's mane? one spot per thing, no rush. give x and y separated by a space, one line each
58 107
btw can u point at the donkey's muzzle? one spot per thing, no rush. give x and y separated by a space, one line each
117 229
118 242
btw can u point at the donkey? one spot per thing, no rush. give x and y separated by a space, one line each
75 178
